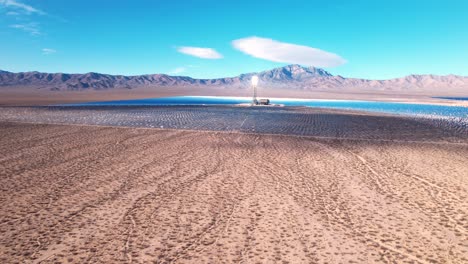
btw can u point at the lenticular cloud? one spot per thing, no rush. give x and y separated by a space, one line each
204 53
276 51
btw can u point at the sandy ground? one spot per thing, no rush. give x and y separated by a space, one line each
94 194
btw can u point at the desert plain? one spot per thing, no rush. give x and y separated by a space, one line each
230 185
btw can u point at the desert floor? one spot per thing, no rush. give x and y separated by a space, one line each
338 187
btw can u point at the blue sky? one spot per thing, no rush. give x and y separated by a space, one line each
213 38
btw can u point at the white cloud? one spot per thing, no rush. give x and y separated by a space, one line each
276 51
20 6
204 53
32 28
47 51
178 70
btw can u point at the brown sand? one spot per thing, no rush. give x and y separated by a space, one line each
78 194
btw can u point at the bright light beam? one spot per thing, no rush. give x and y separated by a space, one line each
254 80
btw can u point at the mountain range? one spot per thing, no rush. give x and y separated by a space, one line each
291 77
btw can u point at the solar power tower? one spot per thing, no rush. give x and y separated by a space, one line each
254 86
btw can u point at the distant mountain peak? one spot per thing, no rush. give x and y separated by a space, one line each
297 67
293 72
310 70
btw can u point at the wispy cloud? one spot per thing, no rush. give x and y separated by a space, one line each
21 6
204 53
12 13
47 51
32 28
21 11
272 50
178 70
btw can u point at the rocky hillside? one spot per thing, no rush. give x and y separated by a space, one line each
291 76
